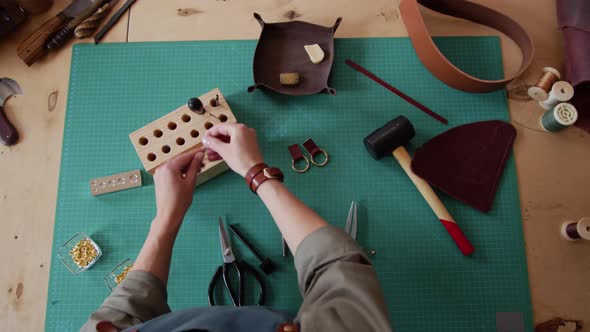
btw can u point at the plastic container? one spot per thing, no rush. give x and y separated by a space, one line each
110 279
66 259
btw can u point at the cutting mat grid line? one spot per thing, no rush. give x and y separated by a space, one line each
118 88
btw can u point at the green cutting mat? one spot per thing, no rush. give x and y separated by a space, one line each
429 286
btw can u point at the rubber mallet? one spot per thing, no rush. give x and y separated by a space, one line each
391 139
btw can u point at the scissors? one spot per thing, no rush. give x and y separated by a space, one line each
351 225
222 272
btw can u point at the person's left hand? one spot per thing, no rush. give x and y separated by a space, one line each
175 183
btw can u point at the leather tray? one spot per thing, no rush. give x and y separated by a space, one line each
280 50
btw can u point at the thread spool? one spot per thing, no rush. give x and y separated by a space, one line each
540 92
562 116
560 91
573 231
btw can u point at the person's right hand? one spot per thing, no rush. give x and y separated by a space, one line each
234 143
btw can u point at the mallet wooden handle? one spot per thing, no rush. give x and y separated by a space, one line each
403 157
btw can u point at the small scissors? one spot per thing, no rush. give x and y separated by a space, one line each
230 260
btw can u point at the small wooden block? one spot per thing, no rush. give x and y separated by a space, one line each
182 130
116 182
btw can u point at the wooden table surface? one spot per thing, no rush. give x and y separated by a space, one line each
552 168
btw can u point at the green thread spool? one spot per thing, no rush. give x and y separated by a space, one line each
563 115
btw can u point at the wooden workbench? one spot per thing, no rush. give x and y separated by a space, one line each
552 168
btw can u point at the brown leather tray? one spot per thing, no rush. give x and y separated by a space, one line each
280 50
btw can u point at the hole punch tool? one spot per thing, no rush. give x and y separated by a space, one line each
351 226
240 267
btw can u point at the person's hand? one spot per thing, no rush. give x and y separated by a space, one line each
175 183
234 143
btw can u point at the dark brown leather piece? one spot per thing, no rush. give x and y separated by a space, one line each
280 50
295 152
573 17
438 64
311 147
467 161
252 172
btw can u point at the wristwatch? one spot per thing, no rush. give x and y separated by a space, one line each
260 173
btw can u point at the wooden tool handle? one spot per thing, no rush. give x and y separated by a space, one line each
8 134
403 157
33 47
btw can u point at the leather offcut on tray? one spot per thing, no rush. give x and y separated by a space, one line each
573 17
434 60
281 49
467 161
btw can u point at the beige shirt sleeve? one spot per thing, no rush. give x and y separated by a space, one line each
340 288
140 297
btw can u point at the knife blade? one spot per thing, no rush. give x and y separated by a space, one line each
33 48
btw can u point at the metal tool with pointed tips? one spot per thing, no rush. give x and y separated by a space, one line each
351 225
8 134
240 267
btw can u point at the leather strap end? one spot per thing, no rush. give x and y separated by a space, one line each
295 152
311 147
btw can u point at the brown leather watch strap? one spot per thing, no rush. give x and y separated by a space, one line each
252 172
268 173
438 64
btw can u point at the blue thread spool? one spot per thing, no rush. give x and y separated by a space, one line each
563 115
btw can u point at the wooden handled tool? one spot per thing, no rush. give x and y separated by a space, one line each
89 25
66 32
33 48
391 137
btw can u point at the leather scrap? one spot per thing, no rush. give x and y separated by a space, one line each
467 161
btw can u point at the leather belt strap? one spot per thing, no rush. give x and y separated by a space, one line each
438 64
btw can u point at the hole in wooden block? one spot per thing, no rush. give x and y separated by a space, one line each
166 149
180 141
186 117
112 183
143 141
94 183
151 156
158 133
134 178
171 125
214 102
222 117
208 125
194 133
121 181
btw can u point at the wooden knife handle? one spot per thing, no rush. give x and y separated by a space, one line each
8 134
33 48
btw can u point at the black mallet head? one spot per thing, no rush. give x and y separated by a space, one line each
392 135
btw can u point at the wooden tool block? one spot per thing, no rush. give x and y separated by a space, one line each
116 182
182 130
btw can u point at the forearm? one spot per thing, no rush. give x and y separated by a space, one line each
294 219
156 253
